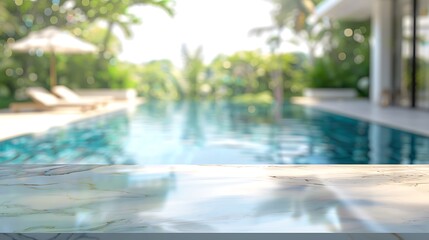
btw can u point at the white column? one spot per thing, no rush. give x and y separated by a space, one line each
398 65
381 49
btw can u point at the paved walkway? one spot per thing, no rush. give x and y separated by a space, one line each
16 124
411 120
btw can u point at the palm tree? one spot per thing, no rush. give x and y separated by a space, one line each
293 15
193 67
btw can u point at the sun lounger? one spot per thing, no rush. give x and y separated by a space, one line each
48 101
24 106
69 95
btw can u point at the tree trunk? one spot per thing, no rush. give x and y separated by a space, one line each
107 37
311 54
276 75
105 45
279 95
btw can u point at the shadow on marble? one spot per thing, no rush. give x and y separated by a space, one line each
95 236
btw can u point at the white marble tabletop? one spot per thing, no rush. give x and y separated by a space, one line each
120 199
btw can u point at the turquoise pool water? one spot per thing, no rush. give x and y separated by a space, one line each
218 133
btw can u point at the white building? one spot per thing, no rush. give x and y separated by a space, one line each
400 46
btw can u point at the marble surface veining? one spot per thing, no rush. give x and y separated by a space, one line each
119 199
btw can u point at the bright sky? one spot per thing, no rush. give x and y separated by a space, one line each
219 26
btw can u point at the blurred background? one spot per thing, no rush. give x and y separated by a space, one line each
259 50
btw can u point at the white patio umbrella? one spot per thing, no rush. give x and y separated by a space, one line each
53 40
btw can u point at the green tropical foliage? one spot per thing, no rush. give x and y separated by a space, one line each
250 72
82 18
346 58
158 80
345 45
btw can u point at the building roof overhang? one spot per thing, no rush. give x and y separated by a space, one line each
344 9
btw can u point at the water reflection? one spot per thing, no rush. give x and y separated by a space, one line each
192 130
83 198
219 133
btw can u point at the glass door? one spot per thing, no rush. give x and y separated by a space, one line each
403 48
422 81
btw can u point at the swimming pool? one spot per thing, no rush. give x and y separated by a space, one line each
218 133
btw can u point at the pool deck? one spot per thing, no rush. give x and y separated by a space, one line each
416 121
411 120
15 124
119 199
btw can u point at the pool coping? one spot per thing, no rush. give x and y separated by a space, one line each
368 198
414 121
24 123
409 120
